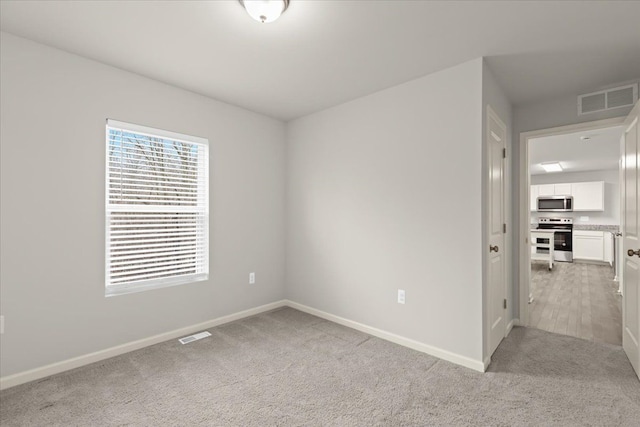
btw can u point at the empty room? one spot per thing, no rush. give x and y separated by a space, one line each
319 213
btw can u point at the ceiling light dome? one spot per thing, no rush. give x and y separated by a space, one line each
265 10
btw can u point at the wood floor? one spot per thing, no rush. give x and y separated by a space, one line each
576 299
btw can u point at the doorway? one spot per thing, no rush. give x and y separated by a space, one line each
568 270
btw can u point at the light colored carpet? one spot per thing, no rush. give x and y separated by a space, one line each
288 368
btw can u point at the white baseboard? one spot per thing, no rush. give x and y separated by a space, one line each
515 322
487 362
509 327
65 365
476 365
76 362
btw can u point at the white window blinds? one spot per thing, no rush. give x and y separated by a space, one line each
157 208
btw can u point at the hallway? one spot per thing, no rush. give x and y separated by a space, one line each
576 299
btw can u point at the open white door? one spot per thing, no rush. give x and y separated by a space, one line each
630 257
496 289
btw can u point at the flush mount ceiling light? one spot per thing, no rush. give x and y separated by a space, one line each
265 10
552 167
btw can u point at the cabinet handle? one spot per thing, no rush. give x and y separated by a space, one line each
631 252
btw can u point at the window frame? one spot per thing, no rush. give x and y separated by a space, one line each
201 209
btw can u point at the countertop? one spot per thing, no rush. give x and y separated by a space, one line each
596 227
590 227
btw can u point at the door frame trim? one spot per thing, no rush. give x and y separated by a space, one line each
524 274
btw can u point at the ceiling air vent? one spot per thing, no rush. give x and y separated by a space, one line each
623 96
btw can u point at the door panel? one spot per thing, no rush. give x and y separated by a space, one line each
632 324
497 317
631 240
496 289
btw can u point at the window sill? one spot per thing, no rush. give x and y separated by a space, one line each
130 288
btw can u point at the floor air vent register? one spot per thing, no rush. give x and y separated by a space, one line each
194 337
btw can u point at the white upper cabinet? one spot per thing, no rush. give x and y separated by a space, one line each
562 189
588 196
554 189
546 190
534 192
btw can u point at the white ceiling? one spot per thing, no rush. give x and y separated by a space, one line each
601 151
321 53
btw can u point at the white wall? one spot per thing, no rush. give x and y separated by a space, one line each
546 114
493 95
611 178
54 107
366 185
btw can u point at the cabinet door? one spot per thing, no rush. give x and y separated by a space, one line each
608 247
533 203
546 190
588 196
588 245
562 189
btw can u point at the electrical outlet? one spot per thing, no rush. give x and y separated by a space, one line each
1 324
400 296
252 278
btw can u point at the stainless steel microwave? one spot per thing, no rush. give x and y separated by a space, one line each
555 204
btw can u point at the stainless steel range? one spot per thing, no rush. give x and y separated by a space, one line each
563 236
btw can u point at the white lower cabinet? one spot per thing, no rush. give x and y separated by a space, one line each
592 245
608 247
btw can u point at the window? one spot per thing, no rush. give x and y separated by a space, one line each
157 208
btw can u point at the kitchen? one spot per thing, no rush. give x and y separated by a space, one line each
575 224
